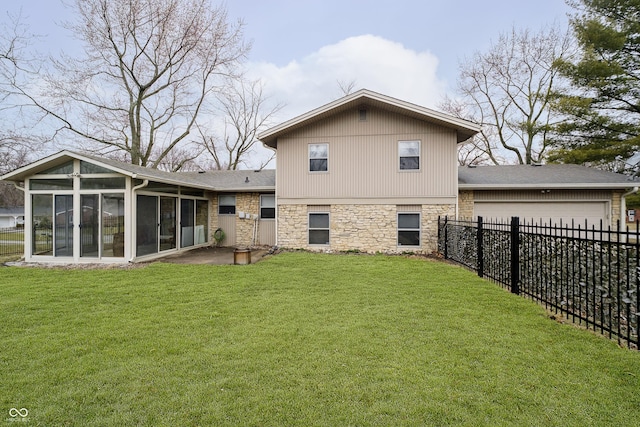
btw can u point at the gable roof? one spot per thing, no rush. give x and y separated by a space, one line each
227 180
464 128
540 176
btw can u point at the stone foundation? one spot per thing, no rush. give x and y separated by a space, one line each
364 228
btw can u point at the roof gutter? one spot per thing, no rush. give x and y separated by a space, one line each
538 186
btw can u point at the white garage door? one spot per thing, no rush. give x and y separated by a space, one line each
545 212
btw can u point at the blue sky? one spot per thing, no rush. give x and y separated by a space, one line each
408 49
404 48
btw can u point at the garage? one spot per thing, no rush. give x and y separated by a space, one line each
544 194
546 212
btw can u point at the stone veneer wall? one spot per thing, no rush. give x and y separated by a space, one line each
465 204
366 228
616 208
213 215
250 204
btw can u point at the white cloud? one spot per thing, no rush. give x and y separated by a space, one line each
371 62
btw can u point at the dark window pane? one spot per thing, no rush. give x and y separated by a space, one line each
86 167
268 213
101 183
318 165
64 169
159 187
318 237
51 184
409 221
409 163
408 238
319 220
226 210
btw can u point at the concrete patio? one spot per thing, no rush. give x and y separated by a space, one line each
212 255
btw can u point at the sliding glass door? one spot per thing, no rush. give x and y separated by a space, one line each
89 225
147 225
63 230
187 222
167 223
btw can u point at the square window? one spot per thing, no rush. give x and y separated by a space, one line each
408 229
409 154
267 206
318 157
227 204
318 228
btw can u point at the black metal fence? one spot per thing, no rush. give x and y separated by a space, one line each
11 241
589 275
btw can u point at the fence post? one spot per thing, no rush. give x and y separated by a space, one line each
515 255
446 238
480 250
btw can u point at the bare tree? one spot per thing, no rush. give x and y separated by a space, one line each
148 69
245 112
346 87
509 90
17 140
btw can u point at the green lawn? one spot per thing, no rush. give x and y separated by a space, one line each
299 339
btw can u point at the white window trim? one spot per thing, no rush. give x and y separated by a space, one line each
235 204
309 158
273 207
309 228
419 229
419 155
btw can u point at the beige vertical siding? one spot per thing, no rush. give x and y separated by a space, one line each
228 225
363 159
267 232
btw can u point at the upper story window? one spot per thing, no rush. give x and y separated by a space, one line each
409 154
318 157
227 204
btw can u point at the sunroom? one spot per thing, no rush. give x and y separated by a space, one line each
80 208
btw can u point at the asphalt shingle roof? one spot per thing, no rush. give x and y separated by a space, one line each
523 176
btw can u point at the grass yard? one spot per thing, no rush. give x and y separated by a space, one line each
299 339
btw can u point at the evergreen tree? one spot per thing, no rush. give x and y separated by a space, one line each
603 108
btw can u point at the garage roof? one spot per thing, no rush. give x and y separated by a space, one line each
540 176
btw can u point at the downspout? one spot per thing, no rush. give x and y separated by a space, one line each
134 208
275 192
15 184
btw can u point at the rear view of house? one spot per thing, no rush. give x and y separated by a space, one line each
366 172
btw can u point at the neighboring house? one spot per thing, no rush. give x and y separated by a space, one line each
81 208
544 194
11 217
366 172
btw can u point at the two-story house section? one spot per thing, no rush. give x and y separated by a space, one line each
366 172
